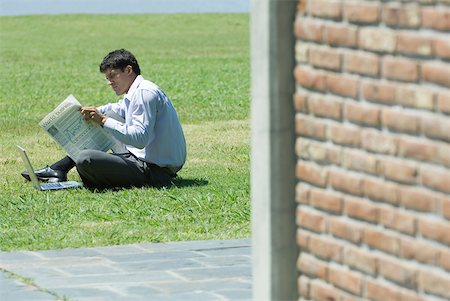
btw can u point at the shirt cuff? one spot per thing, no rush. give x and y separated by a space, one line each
111 123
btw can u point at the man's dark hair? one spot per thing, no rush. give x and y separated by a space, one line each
119 59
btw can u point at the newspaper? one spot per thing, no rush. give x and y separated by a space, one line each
67 127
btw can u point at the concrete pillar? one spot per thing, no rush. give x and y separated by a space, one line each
273 157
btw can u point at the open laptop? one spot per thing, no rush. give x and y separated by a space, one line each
44 186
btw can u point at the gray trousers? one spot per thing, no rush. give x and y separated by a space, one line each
100 170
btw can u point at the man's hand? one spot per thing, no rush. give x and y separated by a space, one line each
92 114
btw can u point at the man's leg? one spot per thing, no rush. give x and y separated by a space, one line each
57 172
65 164
102 170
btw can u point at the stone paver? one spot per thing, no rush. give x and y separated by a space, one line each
192 270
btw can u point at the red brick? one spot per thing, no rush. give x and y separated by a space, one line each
359 161
347 280
301 7
400 120
302 193
378 142
364 63
340 35
419 199
381 240
402 15
346 135
334 154
344 85
417 148
412 43
321 291
360 209
377 291
303 240
325 248
326 200
435 282
345 229
379 91
310 78
435 178
301 148
310 127
380 190
309 219
441 47
325 57
444 258
308 29
419 250
325 106
326 9
443 156
435 229
443 102
397 219
301 101
415 96
398 68
377 39
446 207
312 173
361 260
318 152
302 52
346 182
398 271
364 114
398 170
302 281
311 266
362 12
436 18
437 73
437 127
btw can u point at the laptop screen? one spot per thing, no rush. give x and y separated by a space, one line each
29 168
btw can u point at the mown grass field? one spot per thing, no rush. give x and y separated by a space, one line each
200 61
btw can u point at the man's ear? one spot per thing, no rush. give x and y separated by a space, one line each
129 70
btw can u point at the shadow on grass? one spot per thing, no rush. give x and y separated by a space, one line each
177 182
180 182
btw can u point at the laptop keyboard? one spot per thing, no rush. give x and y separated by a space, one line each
51 185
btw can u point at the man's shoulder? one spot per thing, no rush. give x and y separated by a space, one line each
145 84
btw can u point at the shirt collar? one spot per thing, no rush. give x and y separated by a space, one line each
134 86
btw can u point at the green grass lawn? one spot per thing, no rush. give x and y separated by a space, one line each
200 61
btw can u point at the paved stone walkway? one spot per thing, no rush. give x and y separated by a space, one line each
192 270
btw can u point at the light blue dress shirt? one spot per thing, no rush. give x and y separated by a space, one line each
152 130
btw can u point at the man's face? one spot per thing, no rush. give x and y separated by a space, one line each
120 81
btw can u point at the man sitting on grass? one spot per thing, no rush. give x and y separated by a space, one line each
151 132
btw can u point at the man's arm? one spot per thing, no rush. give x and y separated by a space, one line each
138 129
93 115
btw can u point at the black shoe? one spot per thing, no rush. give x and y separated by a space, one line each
47 174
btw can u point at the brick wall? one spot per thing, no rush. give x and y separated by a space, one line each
373 145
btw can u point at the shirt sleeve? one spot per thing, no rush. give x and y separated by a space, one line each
117 108
138 129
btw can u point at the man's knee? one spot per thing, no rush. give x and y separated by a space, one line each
84 158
